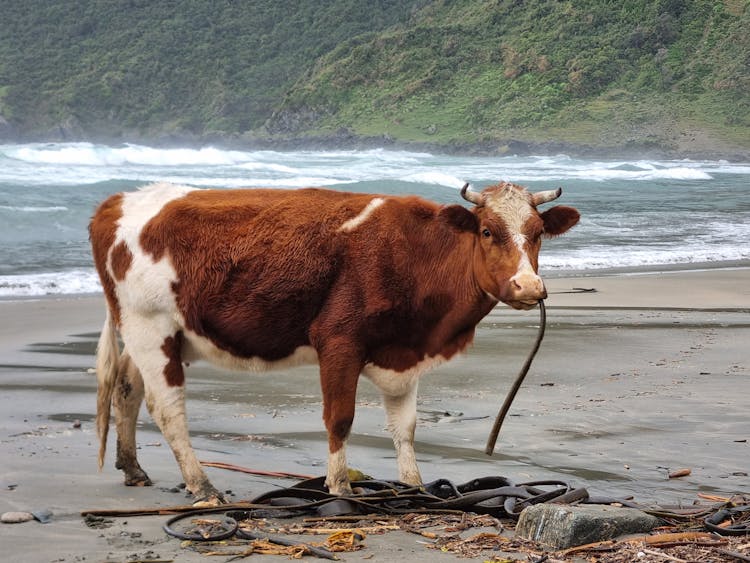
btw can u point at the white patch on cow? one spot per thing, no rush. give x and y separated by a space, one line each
514 206
355 222
147 286
396 383
144 336
399 390
337 476
401 417
200 348
139 207
524 264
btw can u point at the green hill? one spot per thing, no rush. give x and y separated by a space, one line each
489 75
158 68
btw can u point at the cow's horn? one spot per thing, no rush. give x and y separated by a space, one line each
544 197
473 197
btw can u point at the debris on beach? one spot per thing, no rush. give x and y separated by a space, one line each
466 521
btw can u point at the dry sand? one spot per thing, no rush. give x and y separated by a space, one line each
646 375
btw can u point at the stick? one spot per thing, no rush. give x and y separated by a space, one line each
517 383
232 467
679 537
168 510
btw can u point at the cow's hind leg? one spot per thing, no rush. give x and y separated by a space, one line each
127 399
401 415
164 385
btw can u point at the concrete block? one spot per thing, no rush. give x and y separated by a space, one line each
561 526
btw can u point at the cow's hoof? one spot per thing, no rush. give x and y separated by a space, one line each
137 479
340 489
139 483
207 496
210 501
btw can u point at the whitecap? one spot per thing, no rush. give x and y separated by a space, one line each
63 153
31 209
260 166
52 283
434 177
235 182
206 156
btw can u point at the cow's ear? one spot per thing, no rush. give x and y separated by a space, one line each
460 218
559 219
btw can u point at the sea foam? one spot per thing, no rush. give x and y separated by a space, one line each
58 283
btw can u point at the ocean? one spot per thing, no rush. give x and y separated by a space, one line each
636 214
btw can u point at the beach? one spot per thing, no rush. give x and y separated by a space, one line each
638 375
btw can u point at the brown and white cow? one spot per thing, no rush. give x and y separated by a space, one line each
379 285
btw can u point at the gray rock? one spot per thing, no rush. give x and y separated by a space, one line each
562 526
43 515
16 517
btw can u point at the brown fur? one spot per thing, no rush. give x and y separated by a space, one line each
121 260
172 349
102 232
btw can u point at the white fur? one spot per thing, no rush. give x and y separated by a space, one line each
197 347
401 417
515 210
148 285
337 478
355 222
396 383
399 390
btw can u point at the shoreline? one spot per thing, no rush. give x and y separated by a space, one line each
625 272
647 269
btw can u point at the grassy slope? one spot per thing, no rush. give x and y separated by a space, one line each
672 74
636 73
180 66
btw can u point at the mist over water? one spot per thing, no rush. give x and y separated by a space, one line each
635 213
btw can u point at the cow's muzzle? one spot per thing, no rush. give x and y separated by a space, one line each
525 290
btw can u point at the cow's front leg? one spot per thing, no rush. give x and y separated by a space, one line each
401 416
339 373
164 383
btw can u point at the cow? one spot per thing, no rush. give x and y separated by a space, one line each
379 285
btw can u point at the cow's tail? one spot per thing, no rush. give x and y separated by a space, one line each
107 357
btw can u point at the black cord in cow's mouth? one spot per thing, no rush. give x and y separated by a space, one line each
517 383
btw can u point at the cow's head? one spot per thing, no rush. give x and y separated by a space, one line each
510 230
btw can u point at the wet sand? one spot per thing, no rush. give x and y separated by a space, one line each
648 374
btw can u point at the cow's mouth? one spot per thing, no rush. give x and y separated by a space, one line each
523 305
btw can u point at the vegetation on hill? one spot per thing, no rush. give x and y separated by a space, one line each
174 67
672 75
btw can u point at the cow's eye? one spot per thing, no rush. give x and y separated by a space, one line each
486 233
